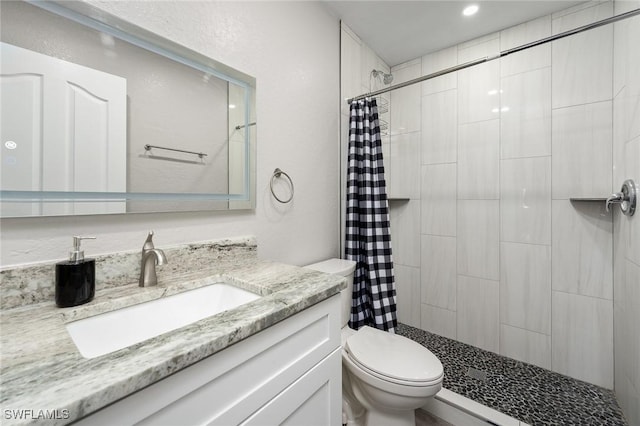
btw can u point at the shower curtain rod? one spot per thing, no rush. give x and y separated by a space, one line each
500 54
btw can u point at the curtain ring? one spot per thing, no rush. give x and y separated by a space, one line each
276 174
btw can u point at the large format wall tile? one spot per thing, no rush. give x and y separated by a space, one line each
582 234
439 271
632 168
525 286
438 61
626 131
439 199
629 321
620 229
351 80
626 164
532 58
369 62
525 206
582 146
403 166
582 338
405 232
583 68
626 319
477 316
478 238
526 346
582 63
408 294
526 60
623 6
405 114
627 397
478 48
386 155
479 160
478 93
582 14
439 127
525 118
626 127
439 321
524 33
626 63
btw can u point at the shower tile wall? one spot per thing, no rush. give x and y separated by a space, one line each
506 262
471 263
626 161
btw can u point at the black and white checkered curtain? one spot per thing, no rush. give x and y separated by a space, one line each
368 237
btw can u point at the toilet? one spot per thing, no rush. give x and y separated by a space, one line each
385 377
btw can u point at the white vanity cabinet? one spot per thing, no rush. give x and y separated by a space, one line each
289 373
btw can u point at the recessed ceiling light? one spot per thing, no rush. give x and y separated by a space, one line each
470 10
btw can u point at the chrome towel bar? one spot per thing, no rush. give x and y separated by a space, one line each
242 126
199 154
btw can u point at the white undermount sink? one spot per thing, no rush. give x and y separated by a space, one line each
111 331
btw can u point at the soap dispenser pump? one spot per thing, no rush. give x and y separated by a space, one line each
76 277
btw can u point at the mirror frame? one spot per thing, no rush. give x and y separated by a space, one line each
101 21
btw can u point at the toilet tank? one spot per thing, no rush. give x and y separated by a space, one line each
343 268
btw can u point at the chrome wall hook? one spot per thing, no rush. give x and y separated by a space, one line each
627 198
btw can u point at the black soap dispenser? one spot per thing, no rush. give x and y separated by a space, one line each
76 277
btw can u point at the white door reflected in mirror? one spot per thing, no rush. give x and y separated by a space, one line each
71 121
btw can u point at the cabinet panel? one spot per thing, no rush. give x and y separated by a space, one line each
313 399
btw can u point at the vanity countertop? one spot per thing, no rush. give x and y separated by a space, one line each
42 371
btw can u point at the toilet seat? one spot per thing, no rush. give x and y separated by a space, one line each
413 364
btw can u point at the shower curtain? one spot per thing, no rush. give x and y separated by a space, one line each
368 238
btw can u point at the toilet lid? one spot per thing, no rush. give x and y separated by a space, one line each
393 356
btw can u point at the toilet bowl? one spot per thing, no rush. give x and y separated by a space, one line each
386 377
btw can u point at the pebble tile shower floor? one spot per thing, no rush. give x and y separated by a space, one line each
523 391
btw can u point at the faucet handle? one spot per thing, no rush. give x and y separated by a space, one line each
617 197
148 243
627 198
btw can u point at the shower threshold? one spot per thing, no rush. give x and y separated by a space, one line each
460 411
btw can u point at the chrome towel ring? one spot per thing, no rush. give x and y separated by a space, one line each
277 173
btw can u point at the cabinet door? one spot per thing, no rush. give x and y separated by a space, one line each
313 399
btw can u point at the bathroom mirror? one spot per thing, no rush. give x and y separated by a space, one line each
99 116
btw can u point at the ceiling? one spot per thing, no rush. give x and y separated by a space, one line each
399 31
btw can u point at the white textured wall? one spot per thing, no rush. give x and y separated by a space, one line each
292 48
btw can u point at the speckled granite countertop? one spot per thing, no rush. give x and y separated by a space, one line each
42 371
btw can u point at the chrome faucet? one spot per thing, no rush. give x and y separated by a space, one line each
627 198
151 257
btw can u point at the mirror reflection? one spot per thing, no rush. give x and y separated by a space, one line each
117 121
